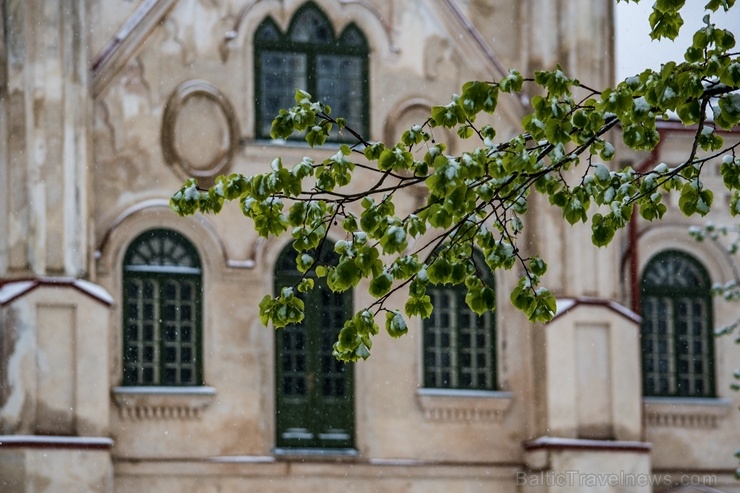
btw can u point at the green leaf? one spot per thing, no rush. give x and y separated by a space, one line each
730 171
481 299
395 158
665 24
522 297
265 307
501 256
708 139
302 97
381 285
304 262
695 199
602 231
344 276
669 5
421 306
556 82
602 174
735 203
731 74
349 223
368 261
512 82
651 211
729 111
449 115
440 271
282 126
545 306
305 285
537 266
318 134
478 96
374 151
574 211
395 324
348 339
714 5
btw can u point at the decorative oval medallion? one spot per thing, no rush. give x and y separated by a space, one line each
200 132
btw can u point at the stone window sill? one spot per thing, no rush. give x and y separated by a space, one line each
142 403
685 412
463 405
315 454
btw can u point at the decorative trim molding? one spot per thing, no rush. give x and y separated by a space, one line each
463 405
148 16
678 412
141 403
220 161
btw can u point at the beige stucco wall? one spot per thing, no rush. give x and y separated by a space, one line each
55 343
47 470
62 365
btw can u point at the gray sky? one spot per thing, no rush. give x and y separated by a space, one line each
636 51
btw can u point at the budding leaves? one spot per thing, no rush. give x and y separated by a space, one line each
694 199
478 200
283 310
537 303
479 298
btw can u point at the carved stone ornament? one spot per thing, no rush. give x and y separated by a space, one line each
685 412
200 131
463 405
143 403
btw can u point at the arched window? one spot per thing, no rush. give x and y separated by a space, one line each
309 56
677 345
162 311
460 346
314 392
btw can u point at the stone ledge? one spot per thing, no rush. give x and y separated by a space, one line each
463 405
55 442
684 412
140 403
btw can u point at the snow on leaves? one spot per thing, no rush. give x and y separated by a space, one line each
479 199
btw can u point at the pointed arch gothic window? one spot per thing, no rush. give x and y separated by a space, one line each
333 69
459 345
162 311
677 342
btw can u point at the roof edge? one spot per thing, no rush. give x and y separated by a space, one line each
565 305
13 289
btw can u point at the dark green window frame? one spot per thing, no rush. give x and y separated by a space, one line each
460 346
162 321
314 392
677 327
333 69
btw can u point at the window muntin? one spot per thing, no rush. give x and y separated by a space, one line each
314 391
459 345
309 56
677 343
161 311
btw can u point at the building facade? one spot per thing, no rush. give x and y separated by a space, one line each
132 357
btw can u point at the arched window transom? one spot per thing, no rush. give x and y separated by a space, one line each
162 311
677 340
